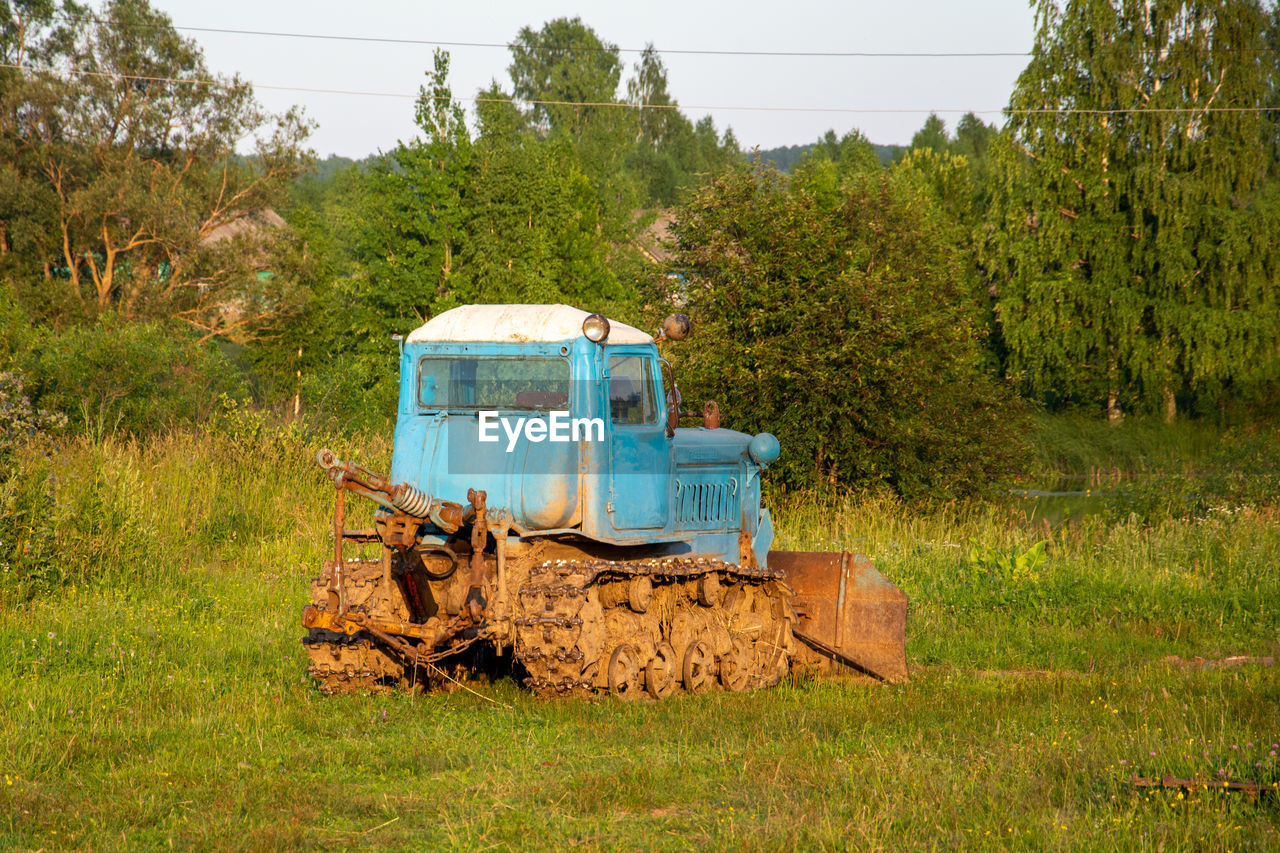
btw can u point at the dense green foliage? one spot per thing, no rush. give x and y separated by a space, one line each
1134 251
116 375
834 312
787 156
504 217
534 205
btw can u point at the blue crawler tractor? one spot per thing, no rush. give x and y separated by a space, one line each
546 514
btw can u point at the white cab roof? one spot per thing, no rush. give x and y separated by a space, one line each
516 324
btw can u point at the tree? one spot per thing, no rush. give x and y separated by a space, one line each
660 120
411 221
851 285
947 179
572 77
933 135
1273 51
566 63
671 154
538 204
1131 227
973 137
124 157
850 154
973 142
497 114
712 150
663 159
450 220
531 232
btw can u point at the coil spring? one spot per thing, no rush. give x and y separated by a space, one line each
412 501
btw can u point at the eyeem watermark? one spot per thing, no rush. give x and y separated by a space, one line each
558 427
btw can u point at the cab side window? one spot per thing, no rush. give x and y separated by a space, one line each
631 393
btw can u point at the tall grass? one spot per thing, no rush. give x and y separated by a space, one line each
154 689
119 512
1103 594
1075 447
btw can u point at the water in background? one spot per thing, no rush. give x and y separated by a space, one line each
1063 500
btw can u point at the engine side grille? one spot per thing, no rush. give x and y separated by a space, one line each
700 505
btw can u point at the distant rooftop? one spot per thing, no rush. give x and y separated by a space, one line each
657 241
256 223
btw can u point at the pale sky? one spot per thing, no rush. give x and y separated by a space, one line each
355 126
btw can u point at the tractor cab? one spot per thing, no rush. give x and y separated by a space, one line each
570 422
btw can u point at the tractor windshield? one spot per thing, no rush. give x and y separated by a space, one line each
493 383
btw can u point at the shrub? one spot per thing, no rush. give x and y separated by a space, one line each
133 377
20 422
834 313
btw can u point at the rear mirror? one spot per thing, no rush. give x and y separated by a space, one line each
675 328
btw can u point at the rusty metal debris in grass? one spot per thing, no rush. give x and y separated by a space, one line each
1251 789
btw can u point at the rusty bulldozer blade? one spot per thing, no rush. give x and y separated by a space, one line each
847 613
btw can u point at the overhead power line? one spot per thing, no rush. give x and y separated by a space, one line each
625 105
906 54
837 54
910 54
820 54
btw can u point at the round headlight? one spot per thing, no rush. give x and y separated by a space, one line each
596 327
764 448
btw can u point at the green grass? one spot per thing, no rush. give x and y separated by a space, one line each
1073 445
1074 448
153 690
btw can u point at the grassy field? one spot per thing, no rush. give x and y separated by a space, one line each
153 690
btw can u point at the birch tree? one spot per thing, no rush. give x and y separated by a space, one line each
1132 230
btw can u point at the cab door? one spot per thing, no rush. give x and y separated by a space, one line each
640 451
